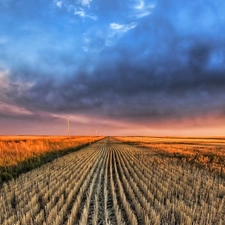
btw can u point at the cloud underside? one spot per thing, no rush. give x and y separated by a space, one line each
146 66
131 94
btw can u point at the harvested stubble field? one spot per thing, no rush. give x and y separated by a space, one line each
208 153
22 153
110 182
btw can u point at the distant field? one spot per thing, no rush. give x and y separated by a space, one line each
22 153
111 182
205 151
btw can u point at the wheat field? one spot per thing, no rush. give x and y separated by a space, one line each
19 154
15 149
110 182
205 152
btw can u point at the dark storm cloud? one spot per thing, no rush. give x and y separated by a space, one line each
132 94
171 65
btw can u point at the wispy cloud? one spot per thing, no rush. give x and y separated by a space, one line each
86 2
116 26
79 8
140 5
141 9
80 12
122 28
9 109
143 14
58 3
116 31
96 39
83 14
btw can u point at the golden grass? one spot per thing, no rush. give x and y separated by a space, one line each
204 151
16 149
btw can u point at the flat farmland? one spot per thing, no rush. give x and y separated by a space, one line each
20 154
115 181
15 149
205 152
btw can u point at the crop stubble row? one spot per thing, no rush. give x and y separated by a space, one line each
112 183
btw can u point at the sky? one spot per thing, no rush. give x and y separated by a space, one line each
134 67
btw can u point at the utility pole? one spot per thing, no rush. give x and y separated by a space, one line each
68 125
89 135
